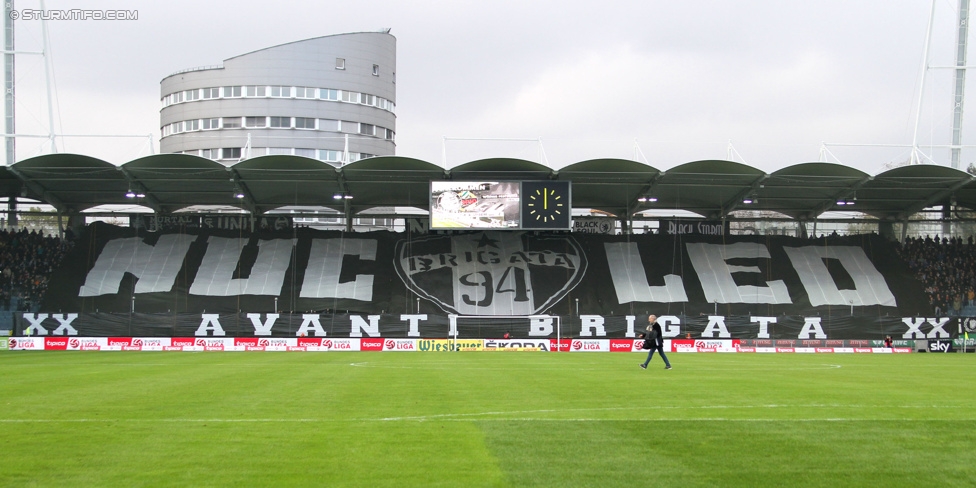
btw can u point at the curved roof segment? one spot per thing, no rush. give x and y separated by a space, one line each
714 188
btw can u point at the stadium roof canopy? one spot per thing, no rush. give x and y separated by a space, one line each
171 182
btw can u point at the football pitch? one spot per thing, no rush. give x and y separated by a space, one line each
486 419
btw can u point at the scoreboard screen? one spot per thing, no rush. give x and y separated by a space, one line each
526 205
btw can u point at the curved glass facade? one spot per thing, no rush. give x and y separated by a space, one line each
329 98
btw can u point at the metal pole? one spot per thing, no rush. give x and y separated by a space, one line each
921 88
8 82
47 78
961 43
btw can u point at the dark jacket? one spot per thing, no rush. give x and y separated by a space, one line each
657 337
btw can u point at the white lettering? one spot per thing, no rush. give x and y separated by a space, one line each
870 287
715 274
540 326
716 323
630 326
630 281
763 326
591 323
155 267
359 326
325 267
310 323
667 329
811 325
222 260
65 320
914 328
414 321
210 322
937 328
35 327
265 328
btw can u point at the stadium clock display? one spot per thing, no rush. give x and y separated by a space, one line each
546 205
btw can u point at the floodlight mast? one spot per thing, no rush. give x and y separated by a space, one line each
921 89
8 72
962 40
962 43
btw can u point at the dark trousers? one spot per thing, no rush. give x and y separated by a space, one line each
659 349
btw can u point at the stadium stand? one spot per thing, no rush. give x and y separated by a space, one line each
947 269
27 259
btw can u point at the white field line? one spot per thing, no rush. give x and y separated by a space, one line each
526 415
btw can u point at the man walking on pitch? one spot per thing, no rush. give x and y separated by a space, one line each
656 337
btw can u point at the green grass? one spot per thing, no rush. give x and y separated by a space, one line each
485 419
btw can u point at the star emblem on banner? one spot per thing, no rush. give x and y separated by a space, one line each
486 241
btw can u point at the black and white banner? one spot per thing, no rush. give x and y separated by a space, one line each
497 273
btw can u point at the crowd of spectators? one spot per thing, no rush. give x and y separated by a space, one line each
947 269
27 259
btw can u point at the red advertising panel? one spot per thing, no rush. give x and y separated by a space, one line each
371 344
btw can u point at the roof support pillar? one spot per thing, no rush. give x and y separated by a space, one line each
347 212
12 211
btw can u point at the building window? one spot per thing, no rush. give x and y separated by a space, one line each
281 91
329 125
305 92
367 99
340 63
280 122
304 123
368 129
211 93
328 94
308 153
208 124
176 97
232 91
255 122
348 96
327 155
376 70
256 91
192 95
390 135
210 153
231 153
191 125
232 122
349 127
279 150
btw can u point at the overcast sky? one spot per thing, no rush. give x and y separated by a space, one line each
661 81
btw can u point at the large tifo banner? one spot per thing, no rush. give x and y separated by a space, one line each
177 278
